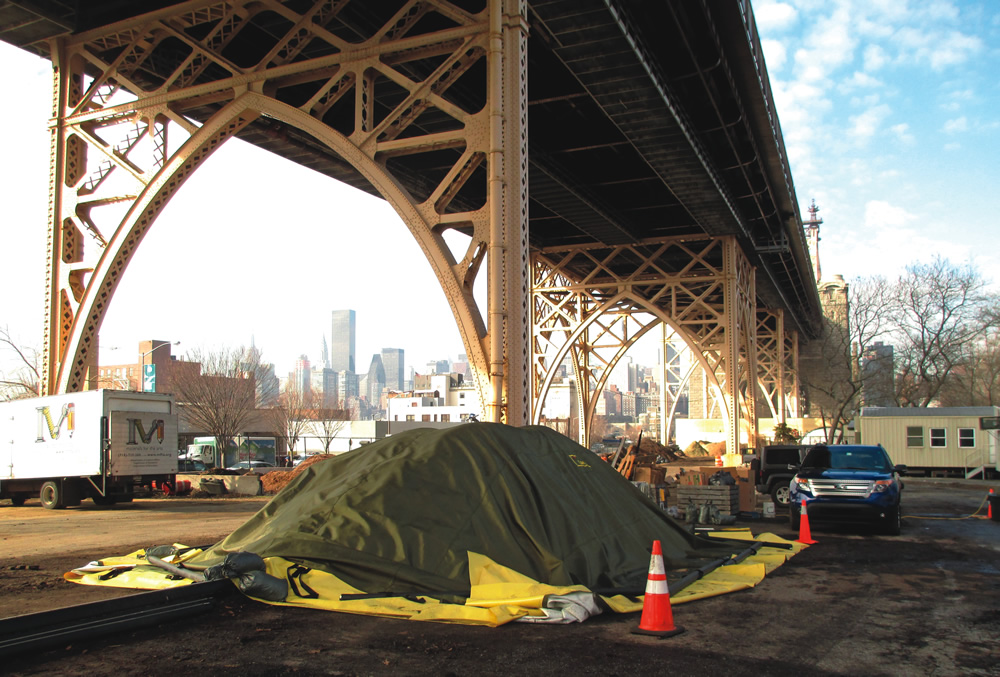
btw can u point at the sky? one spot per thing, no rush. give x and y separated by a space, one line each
890 112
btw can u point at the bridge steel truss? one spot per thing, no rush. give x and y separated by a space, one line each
427 108
777 362
141 104
702 288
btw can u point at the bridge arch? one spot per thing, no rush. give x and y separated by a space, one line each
205 141
488 134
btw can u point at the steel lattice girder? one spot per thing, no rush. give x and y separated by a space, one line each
777 363
139 105
590 304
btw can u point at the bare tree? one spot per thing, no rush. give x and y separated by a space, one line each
829 366
942 311
23 380
327 422
220 391
289 416
976 382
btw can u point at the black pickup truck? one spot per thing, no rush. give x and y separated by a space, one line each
778 465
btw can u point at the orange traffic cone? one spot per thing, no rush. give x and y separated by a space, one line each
805 534
657 617
989 505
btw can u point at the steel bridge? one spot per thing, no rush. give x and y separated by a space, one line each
616 166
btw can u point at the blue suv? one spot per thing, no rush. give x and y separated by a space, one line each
852 483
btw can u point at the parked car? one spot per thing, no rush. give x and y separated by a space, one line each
850 483
251 465
778 464
187 465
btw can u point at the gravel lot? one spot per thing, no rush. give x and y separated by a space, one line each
924 603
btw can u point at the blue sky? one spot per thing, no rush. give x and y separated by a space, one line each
890 116
891 119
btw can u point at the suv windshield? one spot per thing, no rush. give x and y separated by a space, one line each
847 458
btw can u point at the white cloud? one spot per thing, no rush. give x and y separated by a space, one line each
775 54
860 80
874 58
954 49
774 16
953 146
956 125
902 132
866 124
880 214
936 48
831 44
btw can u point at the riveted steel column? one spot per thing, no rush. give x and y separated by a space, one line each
53 338
508 247
782 401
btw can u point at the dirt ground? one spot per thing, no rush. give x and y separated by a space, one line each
923 603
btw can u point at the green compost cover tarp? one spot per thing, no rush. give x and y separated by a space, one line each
400 515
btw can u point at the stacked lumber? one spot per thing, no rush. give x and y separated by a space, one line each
724 497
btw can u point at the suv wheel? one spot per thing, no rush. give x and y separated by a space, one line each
793 516
781 495
893 521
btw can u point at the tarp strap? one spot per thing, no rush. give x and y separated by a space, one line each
411 597
114 573
296 571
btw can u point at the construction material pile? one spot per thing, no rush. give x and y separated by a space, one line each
403 514
481 523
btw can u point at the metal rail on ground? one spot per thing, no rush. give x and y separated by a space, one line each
86 621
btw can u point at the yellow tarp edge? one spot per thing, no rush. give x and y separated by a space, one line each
498 595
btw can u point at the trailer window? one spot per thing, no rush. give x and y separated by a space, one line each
914 436
939 437
966 438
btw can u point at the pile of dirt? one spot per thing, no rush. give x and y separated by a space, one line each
696 449
716 449
273 482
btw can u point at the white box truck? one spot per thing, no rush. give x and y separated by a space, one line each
106 445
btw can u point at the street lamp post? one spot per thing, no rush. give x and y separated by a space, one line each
151 372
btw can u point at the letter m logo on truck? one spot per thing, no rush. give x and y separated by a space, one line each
67 417
136 429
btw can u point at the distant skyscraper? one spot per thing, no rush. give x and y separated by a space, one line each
878 370
376 380
324 382
303 373
342 341
325 353
392 362
347 387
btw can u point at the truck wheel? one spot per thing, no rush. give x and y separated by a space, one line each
51 496
781 495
